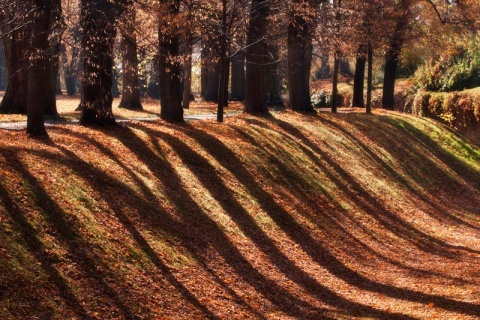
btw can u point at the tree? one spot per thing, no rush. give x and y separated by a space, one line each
237 80
3 74
169 67
55 29
299 43
188 57
130 85
401 16
40 67
256 57
359 78
98 24
16 31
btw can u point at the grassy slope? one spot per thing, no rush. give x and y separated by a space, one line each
291 216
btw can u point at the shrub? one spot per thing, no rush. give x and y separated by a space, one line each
454 70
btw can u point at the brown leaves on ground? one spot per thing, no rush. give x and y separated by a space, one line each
289 216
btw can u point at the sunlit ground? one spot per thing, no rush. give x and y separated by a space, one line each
151 109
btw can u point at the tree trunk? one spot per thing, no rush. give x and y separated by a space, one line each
170 73
272 78
359 78
212 81
237 79
391 63
187 72
336 65
3 74
256 58
98 24
130 88
204 70
369 78
225 81
224 65
16 50
70 71
299 56
39 70
344 68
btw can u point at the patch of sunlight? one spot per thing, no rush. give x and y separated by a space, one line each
206 201
167 250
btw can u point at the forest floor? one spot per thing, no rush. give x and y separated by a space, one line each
66 107
287 216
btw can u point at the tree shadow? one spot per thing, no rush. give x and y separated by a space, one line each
428 165
209 178
38 250
77 247
203 231
328 210
406 147
363 199
315 249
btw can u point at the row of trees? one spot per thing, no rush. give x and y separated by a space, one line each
248 39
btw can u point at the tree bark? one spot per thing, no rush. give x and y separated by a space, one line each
212 81
55 34
204 70
224 65
299 56
336 65
391 63
130 88
237 80
369 78
272 77
3 74
98 24
70 72
39 70
170 73
256 58
359 78
187 72
16 50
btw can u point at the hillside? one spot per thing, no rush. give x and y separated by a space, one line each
290 216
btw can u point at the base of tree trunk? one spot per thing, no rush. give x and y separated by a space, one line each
130 106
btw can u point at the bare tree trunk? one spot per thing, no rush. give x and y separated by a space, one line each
55 36
272 77
98 23
299 42
334 99
16 55
187 72
369 78
39 70
256 58
391 63
169 70
204 70
130 88
224 64
238 76
212 82
359 79
3 73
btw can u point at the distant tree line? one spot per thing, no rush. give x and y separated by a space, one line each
250 49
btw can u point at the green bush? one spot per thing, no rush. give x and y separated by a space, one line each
453 70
